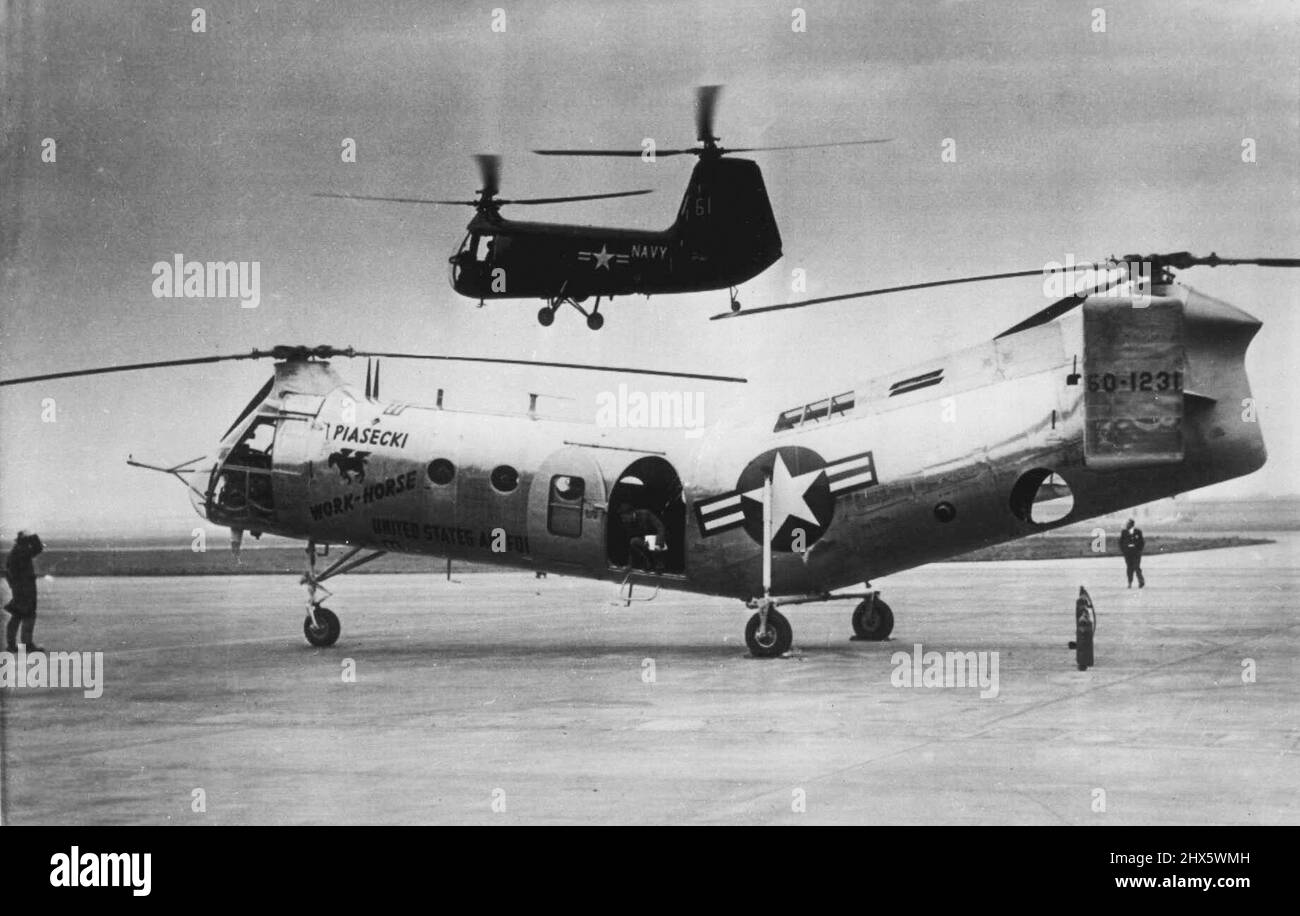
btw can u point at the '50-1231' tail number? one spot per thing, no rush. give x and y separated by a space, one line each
1135 381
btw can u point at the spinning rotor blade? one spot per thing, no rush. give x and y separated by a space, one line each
697 151
563 200
627 153
401 200
489 168
525 201
289 353
706 102
767 149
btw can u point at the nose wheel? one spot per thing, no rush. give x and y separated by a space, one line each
321 625
768 634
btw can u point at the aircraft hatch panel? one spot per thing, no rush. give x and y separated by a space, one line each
1134 374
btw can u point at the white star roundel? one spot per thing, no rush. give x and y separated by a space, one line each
804 490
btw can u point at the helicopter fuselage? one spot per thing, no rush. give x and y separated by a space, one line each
1117 404
724 234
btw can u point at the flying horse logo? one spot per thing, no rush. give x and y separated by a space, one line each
349 462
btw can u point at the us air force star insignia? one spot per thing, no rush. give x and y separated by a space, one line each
804 490
603 257
789 495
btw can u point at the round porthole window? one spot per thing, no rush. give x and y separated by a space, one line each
504 478
441 471
1042 497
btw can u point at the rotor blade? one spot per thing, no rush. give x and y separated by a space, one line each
899 289
1061 306
586 367
627 153
1181 260
401 200
131 367
301 353
489 168
283 352
766 149
706 102
1262 262
531 201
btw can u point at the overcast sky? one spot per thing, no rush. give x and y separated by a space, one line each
1068 141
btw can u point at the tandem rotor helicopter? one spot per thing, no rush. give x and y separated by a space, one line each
724 233
1111 397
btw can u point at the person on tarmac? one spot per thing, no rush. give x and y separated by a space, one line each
1131 544
21 576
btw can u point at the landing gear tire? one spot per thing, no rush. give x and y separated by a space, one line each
773 642
735 305
595 321
325 631
546 316
873 620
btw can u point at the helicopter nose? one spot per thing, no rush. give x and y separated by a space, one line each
201 485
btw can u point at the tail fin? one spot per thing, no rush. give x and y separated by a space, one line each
726 222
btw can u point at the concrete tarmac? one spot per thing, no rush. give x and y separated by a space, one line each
504 699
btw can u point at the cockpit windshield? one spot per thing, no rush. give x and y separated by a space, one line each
241 485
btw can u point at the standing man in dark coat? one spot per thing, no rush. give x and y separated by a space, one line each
1131 544
21 575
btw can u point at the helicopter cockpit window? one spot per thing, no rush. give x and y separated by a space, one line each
254 447
484 248
244 485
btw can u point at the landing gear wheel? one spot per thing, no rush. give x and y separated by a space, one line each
324 634
873 620
546 316
595 321
735 305
773 642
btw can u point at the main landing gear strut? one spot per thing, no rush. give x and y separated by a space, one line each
769 635
321 626
546 315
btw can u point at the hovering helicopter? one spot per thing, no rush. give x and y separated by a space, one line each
724 234
1091 405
